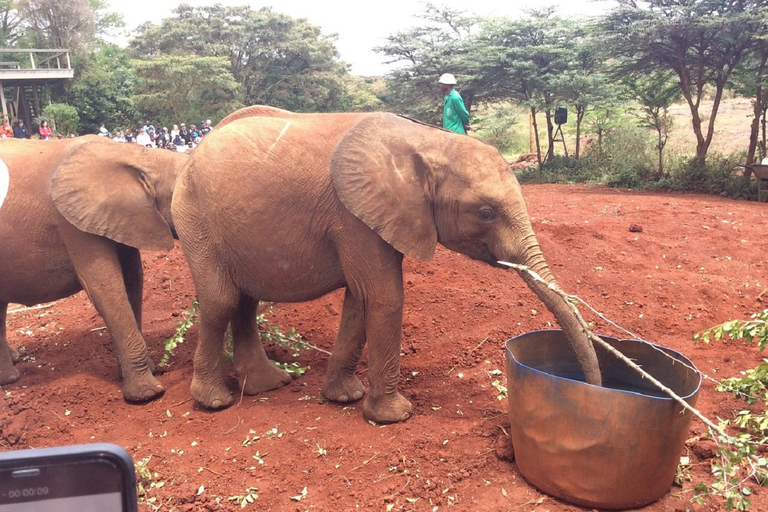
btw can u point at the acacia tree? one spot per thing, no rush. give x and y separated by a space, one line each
275 59
524 60
585 85
424 53
700 41
655 94
751 80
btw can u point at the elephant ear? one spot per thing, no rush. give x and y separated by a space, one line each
105 188
382 179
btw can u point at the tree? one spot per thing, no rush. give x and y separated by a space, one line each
10 23
57 24
751 80
700 41
103 89
175 88
523 60
585 84
275 59
655 94
440 46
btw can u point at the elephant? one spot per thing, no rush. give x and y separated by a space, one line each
285 207
76 214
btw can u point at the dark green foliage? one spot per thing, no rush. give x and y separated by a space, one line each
275 59
176 88
103 90
62 118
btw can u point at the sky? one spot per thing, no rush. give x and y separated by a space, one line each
360 25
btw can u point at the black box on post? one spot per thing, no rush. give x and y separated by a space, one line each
561 115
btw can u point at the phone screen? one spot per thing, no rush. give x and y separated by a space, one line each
84 482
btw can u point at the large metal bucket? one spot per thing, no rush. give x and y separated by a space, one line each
616 446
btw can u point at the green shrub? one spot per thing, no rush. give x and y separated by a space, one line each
719 175
62 118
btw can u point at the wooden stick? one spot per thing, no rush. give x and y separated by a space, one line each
31 308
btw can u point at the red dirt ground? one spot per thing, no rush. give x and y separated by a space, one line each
698 261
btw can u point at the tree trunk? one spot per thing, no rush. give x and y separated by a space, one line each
550 136
536 136
579 118
759 104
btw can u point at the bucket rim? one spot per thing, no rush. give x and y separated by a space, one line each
683 360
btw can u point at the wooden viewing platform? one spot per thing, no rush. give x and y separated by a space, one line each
25 71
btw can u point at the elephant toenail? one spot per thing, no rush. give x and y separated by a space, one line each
357 395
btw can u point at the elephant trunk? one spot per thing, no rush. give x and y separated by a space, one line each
577 336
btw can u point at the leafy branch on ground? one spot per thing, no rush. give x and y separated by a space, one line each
188 318
740 461
145 481
268 333
250 496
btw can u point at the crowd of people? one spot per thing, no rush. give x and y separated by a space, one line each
178 138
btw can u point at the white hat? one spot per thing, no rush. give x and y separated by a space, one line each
447 79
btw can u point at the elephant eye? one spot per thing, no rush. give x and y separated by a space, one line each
487 213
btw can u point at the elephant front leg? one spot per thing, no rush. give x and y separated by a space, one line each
341 384
384 404
99 269
8 372
255 372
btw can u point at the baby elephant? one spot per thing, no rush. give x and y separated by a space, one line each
76 214
286 207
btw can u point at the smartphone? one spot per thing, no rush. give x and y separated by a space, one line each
84 478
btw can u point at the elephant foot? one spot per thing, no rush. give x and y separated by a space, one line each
212 396
142 388
343 389
387 408
8 374
264 379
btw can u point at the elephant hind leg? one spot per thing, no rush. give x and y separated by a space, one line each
341 383
216 309
8 372
255 372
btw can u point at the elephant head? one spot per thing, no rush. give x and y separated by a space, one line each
416 186
122 195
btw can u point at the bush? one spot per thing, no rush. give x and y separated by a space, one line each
62 118
720 175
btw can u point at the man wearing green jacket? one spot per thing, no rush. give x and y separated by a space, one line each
455 114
